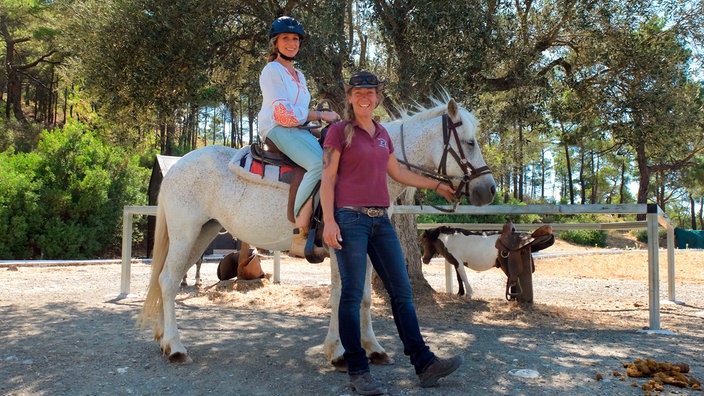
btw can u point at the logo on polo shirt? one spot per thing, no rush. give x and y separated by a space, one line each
382 143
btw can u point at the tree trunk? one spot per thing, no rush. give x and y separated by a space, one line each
582 183
693 212
570 185
520 169
622 186
644 180
14 81
544 173
406 228
595 178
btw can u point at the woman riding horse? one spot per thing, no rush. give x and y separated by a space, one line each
284 109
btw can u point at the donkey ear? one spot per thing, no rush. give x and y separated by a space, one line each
452 109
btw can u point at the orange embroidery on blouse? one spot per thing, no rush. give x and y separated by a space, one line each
284 116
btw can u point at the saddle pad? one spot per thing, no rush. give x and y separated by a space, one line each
266 171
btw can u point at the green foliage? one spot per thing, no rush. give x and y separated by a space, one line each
20 207
585 237
437 199
642 235
65 199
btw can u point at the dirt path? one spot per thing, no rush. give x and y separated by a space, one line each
63 331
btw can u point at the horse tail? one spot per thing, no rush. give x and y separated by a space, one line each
153 310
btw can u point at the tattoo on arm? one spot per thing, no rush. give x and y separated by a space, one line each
327 156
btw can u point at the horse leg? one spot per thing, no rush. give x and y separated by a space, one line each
199 282
463 274
461 292
375 352
184 281
175 268
333 347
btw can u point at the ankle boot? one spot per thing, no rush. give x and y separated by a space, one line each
298 242
298 245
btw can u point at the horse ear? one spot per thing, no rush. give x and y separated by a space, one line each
432 234
452 108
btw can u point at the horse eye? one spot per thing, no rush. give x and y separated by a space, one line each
470 143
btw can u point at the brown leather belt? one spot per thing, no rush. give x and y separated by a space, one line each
371 211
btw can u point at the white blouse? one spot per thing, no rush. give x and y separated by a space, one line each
285 100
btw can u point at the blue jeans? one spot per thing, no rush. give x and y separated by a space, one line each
303 148
375 236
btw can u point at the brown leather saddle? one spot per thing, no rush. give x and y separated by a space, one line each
268 154
515 253
244 264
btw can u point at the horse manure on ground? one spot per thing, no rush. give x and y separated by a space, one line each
660 374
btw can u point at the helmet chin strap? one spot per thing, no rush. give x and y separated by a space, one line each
288 58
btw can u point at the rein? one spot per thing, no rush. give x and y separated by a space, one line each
449 131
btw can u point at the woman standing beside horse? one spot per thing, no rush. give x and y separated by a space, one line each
355 197
284 109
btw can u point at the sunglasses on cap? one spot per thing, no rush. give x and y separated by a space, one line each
363 80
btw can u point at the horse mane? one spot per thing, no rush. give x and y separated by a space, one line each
418 112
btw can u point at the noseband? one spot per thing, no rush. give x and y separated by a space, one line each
469 172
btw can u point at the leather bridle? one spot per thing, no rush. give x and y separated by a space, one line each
449 132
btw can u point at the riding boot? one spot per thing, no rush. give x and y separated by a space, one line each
298 242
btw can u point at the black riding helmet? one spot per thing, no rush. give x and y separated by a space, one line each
286 24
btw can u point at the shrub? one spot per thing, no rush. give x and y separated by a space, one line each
65 199
437 199
20 204
642 235
585 237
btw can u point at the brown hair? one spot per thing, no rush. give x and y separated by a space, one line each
348 114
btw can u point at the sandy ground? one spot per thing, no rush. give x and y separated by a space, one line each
64 331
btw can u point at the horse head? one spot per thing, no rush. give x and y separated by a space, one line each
432 244
454 154
428 239
474 179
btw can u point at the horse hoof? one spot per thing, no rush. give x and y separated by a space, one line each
380 358
339 364
180 358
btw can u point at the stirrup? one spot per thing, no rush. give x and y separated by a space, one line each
314 253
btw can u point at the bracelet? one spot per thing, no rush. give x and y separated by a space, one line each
438 186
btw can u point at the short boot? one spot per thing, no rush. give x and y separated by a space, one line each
298 242
365 384
440 368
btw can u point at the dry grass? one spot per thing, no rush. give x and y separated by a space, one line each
590 313
608 264
689 266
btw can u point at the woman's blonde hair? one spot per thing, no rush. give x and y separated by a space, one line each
273 52
348 115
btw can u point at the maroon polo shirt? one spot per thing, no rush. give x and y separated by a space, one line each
361 174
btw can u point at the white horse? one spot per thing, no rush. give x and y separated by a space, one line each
509 250
204 192
476 250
